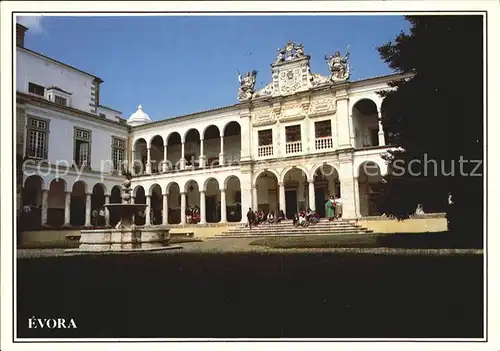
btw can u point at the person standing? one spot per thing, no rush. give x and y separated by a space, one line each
330 208
338 207
250 217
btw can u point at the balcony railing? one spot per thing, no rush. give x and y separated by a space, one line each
293 147
324 143
265 150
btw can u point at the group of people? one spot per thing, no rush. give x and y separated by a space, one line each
333 208
305 217
261 217
192 215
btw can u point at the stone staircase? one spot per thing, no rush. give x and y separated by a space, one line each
286 228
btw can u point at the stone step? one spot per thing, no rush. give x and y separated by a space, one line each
299 230
260 235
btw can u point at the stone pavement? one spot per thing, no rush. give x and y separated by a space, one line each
242 245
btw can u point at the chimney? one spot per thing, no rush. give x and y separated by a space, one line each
20 30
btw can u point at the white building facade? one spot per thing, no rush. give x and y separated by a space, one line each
290 145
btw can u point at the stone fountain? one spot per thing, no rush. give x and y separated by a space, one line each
126 236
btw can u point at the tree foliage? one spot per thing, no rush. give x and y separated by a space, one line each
435 115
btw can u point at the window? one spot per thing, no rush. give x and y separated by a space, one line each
37 132
60 100
292 133
265 137
82 147
36 89
323 129
117 153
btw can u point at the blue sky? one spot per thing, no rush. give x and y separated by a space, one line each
179 65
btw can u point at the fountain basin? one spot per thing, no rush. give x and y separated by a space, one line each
124 239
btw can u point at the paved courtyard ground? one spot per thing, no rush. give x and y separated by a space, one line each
223 288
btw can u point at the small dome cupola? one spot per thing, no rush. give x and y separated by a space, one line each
138 118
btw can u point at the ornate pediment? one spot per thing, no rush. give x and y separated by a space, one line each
291 74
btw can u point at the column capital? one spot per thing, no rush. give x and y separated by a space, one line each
148 195
88 194
67 192
310 181
222 190
182 193
281 184
202 191
164 194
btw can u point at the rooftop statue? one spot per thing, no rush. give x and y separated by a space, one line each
247 85
290 52
338 66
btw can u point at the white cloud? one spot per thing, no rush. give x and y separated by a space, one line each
33 23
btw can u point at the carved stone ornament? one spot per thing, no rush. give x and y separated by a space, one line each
290 52
322 106
264 117
247 85
338 66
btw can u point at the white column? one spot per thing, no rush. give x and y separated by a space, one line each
148 162
223 216
246 137
356 198
312 195
300 190
183 208
343 121
148 210
203 210
255 198
381 136
106 211
87 209
347 190
202 154
164 217
182 160
45 206
165 159
221 155
67 208
246 194
282 199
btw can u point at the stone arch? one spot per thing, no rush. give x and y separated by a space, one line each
155 191
322 166
266 192
234 210
139 155
288 169
56 201
193 131
97 201
230 123
365 112
36 176
376 160
151 187
79 192
228 178
326 183
205 183
173 189
115 196
209 128
156 145
103 186
259 173
169 185
369 176
136 190
188 183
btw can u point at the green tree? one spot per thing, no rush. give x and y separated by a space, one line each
436 114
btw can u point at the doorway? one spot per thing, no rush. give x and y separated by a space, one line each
291 203
320 201
211 209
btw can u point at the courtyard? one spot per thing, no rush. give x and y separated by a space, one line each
245 288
